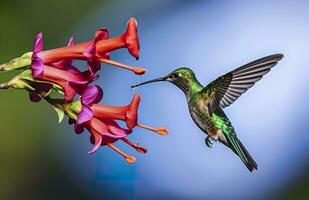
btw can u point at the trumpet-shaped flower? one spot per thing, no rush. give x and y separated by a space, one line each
101 120
62 73
94 51
44 70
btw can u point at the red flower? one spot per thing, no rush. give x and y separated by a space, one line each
100 121
95 51
128 114
62 73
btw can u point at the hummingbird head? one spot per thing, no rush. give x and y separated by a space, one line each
184 78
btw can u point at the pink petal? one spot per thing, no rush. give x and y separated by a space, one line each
37 66
97 143
92 94
114 128
71 42
38 43
84 115
94 66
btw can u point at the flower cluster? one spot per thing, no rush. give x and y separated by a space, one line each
44 73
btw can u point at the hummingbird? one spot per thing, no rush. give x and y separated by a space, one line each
206 104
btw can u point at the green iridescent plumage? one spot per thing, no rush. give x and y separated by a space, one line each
206 103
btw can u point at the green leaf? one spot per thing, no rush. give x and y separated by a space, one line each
60 113
58 89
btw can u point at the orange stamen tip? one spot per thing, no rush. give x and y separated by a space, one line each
162 131
139 70
130 159
141 149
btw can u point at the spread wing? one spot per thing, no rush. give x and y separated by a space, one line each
226 89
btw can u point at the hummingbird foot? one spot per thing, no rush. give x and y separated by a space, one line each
208 142
135 146
128 158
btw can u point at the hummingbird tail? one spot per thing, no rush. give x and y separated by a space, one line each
243 153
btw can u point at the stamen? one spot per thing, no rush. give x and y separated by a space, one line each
161 131
135 146
136 70
129 159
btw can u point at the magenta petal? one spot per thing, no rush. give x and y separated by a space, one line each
96 146
37 66
71 42
114 128
84 115
99 95
34 97
94 66
94 78
90 52
101 34
38 43
92 94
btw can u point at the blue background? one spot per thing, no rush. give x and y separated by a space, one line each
212 38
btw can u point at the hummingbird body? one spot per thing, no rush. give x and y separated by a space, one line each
206 103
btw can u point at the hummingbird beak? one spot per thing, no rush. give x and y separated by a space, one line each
165 78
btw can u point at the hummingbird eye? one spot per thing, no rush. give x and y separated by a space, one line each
175 76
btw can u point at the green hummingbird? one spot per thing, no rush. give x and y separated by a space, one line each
206 103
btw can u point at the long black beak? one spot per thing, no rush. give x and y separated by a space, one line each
151 81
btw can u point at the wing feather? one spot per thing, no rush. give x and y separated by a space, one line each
228 88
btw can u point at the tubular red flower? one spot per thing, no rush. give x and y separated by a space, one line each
97 127
104 132
62 73
128 113
95 51
125 113
103 45
70 89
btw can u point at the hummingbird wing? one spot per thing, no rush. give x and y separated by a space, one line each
229 138
227 88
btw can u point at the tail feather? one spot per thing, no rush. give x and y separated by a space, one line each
242 152
229 138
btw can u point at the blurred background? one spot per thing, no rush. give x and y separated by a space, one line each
41 159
